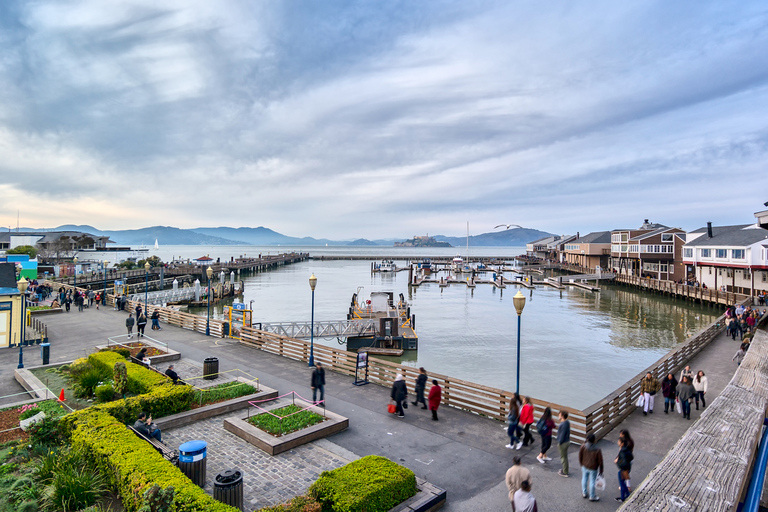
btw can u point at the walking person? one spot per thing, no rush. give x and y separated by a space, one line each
141 323
649 386
318 383
545 426
624 462
564 441
738 358
91 295
129 323
515 476
591 462
685 393
669 390
399 394
526 419
421 383
687 372
630 444
156 321
434 398
138 310
700 385
513 416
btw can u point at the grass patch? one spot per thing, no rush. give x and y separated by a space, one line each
285 424
221 392
38 308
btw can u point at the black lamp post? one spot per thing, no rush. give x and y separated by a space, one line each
519 301
104 295
312 284
22 284
209 273
146 287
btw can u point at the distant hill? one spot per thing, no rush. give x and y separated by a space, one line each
263 236
510 238
166 235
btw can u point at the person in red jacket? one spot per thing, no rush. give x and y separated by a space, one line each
435 395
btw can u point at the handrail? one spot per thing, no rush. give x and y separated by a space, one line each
756 480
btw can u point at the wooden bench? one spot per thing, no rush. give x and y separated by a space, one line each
167 453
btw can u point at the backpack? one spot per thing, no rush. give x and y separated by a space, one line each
541 427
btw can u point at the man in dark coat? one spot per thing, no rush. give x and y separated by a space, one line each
318 383
421 383
399 394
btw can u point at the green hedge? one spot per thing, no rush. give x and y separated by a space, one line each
370 484
140 379
132 465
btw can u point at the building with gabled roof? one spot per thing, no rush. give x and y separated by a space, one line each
589 251
652 250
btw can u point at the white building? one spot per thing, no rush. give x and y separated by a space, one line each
729 258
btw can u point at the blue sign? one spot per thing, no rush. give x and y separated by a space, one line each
238 305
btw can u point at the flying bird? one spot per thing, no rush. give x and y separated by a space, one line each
507 226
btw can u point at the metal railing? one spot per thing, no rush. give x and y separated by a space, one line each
322 329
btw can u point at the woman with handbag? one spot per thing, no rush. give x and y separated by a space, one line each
624 462
545 426
399 394
513 417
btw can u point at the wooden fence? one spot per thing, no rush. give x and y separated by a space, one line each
598 419
683 290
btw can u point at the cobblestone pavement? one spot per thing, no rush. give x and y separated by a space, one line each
267 480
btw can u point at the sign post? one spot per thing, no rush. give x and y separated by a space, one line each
361 369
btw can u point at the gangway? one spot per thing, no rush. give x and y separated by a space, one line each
166 296
323 329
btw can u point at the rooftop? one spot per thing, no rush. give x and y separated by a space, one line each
739 236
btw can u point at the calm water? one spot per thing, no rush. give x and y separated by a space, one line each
576 347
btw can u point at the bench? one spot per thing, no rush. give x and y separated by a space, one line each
167 453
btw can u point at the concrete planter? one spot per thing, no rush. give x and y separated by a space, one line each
428 498
43 312
274 445
170 355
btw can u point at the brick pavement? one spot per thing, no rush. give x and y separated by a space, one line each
267 480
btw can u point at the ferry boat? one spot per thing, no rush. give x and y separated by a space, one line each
387 266
394 325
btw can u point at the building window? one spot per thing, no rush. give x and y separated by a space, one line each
666 237
688 252
729 272
706 253
737 254
721 253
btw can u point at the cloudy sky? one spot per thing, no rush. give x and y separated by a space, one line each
347 119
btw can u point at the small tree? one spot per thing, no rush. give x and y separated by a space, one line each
154 261
120 376
158 500
23 249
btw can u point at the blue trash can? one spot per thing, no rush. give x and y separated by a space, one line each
192 461
45 352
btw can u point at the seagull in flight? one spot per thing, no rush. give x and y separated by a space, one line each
507 226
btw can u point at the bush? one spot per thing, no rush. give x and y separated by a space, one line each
140 380
74 487
46 433
373 484
132 465
105 393
226 391
120 376
297 504
124 352
51 408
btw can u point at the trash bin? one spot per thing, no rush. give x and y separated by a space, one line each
45 352
225 329
211 368
228 488
192 461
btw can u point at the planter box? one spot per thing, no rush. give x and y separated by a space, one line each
274 445
32 384
187 417
52 311
428 498
170 355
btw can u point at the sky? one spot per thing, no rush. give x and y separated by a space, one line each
343 119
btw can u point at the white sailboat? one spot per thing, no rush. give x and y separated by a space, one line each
156 246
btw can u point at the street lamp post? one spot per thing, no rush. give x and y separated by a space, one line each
74 260
22 284
146 287
519 302
209 272
312 284
104 295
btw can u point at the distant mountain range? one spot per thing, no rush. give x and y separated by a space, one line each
167 235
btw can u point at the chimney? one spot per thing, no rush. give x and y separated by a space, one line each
709 230
646 221
577 235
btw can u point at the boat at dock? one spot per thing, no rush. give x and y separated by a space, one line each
393 323
387 266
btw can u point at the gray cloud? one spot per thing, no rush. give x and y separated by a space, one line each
327 119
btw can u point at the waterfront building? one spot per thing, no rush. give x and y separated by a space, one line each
548 248
728 258
652 250
63 242
589 251
10 307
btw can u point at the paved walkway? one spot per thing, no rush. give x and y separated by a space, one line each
462 453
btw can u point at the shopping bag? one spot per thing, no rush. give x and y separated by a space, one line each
600 483
391 408
640 401
678 407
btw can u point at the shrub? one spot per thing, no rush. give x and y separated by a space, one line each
124 352
120 376
158 500
132 465
297 504
225 391
140 380
74 487
105 393
51 408
46 433
373 484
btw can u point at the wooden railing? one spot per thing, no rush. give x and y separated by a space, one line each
693 292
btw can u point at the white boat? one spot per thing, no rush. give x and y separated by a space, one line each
156 246
458 263
387 266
